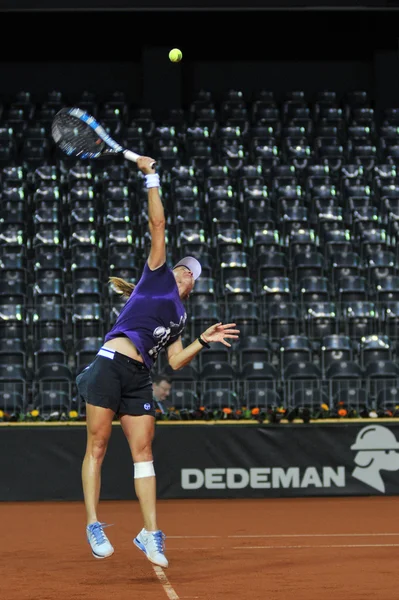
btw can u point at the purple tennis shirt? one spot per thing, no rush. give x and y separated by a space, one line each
154 315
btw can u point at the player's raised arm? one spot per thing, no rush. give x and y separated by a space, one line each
156 214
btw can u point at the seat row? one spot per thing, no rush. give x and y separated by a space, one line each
66 174
321 395
250 349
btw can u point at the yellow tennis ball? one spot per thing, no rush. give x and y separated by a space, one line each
175 55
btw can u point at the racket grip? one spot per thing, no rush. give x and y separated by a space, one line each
130 155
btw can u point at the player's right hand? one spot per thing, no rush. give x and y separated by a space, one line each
145 163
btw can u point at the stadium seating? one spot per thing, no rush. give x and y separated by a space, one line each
291 205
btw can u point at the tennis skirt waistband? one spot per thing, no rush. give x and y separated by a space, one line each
114 355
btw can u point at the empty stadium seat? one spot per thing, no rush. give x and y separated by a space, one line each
215 374
301 376
219 398
354 400
14 379
309 398
52 405
283 319
203 316
387 400
342 375
185 378
184 400
254 348
85 351
336 347
13 405
258 375
263 399
294 348
216 353
381 374
321 319
54 377
13 352
88 320
375 348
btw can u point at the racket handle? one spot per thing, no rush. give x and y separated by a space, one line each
130 155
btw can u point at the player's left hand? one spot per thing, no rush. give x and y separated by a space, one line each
218 333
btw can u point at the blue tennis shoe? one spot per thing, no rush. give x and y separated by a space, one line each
153 546
100 545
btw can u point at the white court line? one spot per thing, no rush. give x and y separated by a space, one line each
192 537
311 535
208 548
316 547
279 535
169 591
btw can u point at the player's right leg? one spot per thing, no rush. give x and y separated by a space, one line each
99 386
99 427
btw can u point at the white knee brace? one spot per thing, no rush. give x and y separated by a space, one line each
144 469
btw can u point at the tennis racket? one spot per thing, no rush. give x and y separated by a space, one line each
78 134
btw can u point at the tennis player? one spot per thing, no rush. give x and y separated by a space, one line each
118 380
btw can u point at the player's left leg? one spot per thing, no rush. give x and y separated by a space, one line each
139 432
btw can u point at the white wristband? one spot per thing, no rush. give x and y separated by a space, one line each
152 180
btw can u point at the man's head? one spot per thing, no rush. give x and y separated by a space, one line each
161 385
186 271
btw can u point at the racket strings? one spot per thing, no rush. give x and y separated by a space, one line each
75 138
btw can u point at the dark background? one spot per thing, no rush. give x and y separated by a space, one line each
126 50
198 4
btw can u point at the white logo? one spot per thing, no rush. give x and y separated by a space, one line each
147 406
262 478
162 335
377 450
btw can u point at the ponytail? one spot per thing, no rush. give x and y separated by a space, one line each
122 287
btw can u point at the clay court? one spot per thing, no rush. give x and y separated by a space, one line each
275 549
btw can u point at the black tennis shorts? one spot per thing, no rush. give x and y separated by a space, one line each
118 382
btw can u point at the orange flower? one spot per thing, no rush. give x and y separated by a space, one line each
325 407
281 410
255 411
342 412
389 413
202 408
238 412
227 411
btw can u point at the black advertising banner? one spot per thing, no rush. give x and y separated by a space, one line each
279 461
44 463
28 5
210 461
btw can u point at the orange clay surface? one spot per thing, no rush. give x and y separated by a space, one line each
277 549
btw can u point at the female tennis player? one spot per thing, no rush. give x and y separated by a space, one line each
118 380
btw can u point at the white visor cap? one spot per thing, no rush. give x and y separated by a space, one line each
191 263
